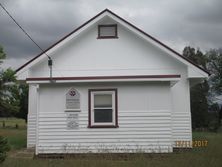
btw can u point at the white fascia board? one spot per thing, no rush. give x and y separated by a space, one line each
193 73
22 75
108 80
138 33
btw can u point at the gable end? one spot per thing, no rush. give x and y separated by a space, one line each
114 36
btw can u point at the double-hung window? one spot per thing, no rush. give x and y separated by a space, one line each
103 108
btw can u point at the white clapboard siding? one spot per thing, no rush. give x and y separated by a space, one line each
31 130
145 131
96 148
181 129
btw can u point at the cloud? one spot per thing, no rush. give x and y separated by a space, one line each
177 23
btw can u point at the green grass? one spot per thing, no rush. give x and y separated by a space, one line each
12 123
16 135
197 157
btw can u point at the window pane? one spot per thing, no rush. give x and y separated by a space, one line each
103 100
103 115
107 31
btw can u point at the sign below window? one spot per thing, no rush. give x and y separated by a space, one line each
72 120
73 100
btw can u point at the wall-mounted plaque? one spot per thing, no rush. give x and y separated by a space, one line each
72 120
72 99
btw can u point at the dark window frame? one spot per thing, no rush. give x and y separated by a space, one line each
107 37
89 109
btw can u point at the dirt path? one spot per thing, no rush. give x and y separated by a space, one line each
23 153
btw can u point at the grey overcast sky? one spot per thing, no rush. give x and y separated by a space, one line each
177 23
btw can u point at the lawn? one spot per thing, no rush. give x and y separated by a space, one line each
15 131
199 156
12 123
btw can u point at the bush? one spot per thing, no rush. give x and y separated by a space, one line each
214 121
214 125
4 147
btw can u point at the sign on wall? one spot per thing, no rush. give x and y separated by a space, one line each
72 120
72 99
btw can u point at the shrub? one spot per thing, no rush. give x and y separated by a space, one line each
4 147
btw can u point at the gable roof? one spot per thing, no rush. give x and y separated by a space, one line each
126 22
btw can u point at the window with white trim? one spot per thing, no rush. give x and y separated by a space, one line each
103 108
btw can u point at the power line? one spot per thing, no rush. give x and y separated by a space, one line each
24 30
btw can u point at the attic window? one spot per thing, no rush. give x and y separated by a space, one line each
107 31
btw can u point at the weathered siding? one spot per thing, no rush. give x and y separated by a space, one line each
144 125
181 115
181 126
31 121
144 131
31 130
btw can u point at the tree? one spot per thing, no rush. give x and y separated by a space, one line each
23 101
199 105
10 91
196 56
2 54
199 92
14 96
3 105
215 68
8 100
220 115
4 147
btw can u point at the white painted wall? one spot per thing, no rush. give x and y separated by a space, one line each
181 116
152 115
89 56
144 125
32 111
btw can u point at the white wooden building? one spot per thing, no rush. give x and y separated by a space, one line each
113 88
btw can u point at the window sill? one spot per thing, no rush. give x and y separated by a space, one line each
103 126
108 37
72 110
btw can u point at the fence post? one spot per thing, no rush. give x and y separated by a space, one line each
3 124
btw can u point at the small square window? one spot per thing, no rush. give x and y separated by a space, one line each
103 108
107 31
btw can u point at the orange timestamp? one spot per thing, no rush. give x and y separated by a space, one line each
193 143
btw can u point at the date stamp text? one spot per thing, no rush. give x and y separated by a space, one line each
194 143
